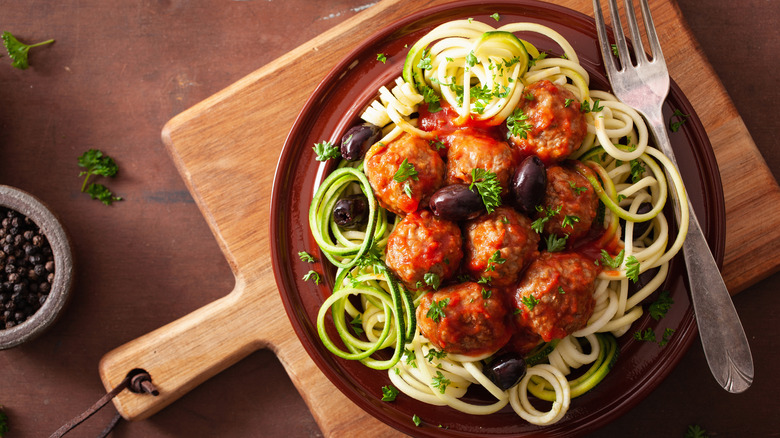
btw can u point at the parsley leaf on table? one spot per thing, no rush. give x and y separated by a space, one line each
97 163
18 50
102 194
3 422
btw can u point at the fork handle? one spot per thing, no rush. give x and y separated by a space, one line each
722 337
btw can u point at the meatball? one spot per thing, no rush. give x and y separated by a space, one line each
499 245
470 149
421 173
465 318
557 124
570 204
555 295
421 244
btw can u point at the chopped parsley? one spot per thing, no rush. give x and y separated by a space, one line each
488 188
357 325
405 171
577 190
586 108
381 57
435 354
632 268
411 358
494 260
668 332
517 124
608 261
496 16
695 431
305 257
567 102
425 61
660 306
436 311
471 59
326 150
432 280
440 382
637 170
389 393
538 224
313 276
416 420
560 290
486 293
555 243
529 302
408 189
436 143
432 99
569 221
615 50
483 280
677 120
648 335
541 56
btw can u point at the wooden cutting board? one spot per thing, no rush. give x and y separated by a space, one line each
226 148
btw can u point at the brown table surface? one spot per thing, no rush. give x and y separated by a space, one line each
120 70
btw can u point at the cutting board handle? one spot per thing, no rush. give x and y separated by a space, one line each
184 353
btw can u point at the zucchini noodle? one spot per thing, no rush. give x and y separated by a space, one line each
481 73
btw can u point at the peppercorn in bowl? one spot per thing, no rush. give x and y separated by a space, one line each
36 267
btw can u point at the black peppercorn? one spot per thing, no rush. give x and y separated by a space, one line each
26 268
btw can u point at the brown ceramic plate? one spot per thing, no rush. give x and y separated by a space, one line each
335 106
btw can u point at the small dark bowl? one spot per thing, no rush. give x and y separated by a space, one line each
50 226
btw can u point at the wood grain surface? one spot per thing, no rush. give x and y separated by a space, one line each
152 258
235 198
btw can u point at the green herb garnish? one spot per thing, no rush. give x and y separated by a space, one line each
440 382
313 276
662 305
18 50
326 150
98 164
436 311
389 393
488 188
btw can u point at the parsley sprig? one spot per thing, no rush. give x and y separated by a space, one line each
436 311
440 382
488 188
326 150
517 124
389 393
98 164
662 305
18 50
677 120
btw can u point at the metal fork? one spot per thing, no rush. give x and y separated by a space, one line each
645 87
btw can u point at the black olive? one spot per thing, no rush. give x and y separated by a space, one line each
357 140
528 185
506 370
456 203
351 211
639 227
